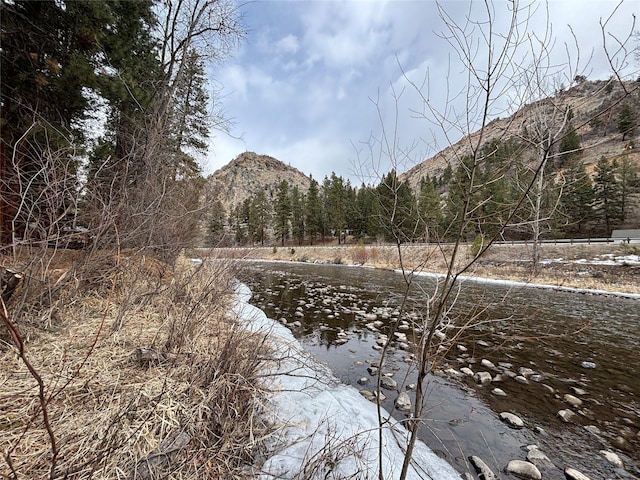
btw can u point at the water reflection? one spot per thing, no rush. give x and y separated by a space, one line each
552 333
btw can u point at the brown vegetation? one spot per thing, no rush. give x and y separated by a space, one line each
133 369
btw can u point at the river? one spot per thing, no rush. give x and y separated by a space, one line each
586 346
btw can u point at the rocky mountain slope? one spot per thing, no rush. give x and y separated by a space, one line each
247 174
594 113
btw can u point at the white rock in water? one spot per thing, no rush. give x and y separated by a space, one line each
403 402
521 379
523 469
537 456
525 372
573 474
498 392
588 365
487 363
482 468
571 400
613 458
512 420
363 380
388 383
566 415
467 371
483 378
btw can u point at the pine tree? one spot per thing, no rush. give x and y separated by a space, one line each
607 194
297 215
569 147
282 211
576 203
313 212
429 211
259 217
626 121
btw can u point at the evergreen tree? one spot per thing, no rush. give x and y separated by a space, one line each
259 217
429 211
313 212
397 209
569 147
282 211
576 203
335 194
297 215
607 194
629 185
215 225
626 121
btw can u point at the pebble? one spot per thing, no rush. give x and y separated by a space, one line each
512 420
521 379
482 343
483 378
566 415
467 371
578 391
523 469
588 365
403 402
573 474
613 458
487 364
498 392
363 380
571 400
483 470
461 348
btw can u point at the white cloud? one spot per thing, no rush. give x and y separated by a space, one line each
288 44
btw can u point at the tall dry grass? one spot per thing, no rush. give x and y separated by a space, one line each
141 374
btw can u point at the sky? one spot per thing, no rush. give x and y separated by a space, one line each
357 87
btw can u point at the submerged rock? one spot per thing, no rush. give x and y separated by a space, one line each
613 458
388 383
566 415
537 456
523 469
573 474
483 378
512 420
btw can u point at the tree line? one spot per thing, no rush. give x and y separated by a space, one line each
575 204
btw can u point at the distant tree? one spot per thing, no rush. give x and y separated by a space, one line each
397 209
335 197
297 215
626 121
629 185
282 213
576 203
313 212
607 194
216 224
569 147
259 217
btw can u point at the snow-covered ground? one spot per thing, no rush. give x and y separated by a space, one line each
605 259
326 429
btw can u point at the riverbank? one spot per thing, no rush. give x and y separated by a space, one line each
612 268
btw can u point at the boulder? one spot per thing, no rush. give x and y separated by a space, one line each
523 469
512 420
403 402
388 383
483 470
483 378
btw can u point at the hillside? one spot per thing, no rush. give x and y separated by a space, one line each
247 174
594 106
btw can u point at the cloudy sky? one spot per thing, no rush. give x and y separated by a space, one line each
316 83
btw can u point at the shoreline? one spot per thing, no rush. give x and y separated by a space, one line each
580 270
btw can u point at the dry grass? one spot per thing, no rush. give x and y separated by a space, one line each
185 407
508 262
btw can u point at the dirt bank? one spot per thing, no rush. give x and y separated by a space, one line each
608 267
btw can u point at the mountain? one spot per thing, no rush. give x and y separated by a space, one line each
593 108
249 173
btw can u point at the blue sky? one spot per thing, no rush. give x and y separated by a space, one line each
313 82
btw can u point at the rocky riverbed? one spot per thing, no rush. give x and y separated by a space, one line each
535 392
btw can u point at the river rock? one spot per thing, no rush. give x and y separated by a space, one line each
578 391
571 400
498 392
373 370
573 474
467 371
593 429
487 364
461 348
537 456
388 383
403 402
483 378
525 372
588 365
521 379
482 343
363 380
566 415
613 458
512 420
523 469
367 394
483 470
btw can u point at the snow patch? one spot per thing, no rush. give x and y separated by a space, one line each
323 425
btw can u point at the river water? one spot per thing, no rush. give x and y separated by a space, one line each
559 336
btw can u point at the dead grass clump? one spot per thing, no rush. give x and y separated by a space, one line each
79 401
